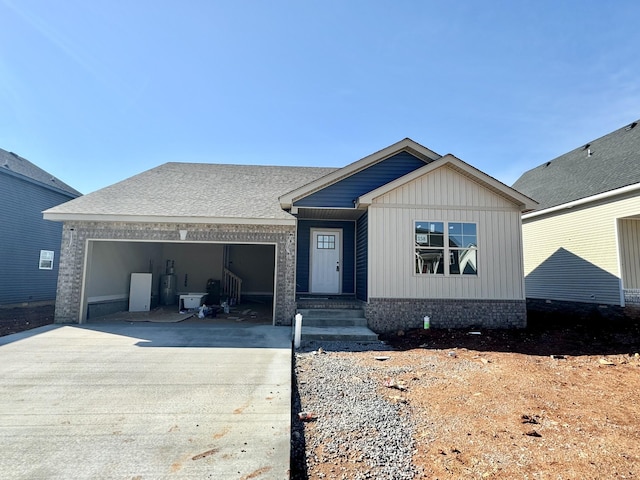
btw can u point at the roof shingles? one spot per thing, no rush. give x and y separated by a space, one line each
602 165
197 190
14 163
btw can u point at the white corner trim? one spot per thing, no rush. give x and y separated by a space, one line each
457 164
583 201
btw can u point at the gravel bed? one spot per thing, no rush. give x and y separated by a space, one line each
353 425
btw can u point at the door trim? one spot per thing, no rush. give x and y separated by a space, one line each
312 249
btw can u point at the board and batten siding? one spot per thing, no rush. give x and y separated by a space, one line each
629 234
573 254
444 195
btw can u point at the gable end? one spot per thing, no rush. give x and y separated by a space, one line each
344 193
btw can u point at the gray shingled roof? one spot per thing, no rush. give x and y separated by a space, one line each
605 164
14 163
197 190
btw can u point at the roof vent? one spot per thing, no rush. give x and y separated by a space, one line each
629 127
586 147
547 164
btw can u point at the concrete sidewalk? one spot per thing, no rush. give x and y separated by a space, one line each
146 401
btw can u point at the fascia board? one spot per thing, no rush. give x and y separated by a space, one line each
79 217
518 198
287 200
583 201
53 188
526 203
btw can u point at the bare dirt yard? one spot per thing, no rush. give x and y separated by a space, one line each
558 400
18 319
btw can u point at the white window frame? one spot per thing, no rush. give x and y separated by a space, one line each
46 259
446 249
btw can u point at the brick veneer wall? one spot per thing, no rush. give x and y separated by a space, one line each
386 315
76 234
632 296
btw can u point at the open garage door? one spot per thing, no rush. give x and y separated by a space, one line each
195 268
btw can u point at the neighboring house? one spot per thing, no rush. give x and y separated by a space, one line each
582 244
407 232
29 245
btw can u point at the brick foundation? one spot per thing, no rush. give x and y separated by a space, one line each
632 296
579 312
386 315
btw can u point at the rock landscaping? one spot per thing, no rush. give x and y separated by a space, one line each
552 401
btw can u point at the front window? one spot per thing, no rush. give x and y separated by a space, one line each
463 249
429 247
457 242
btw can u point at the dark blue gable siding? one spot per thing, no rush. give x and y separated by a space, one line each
344 192
362 257
303 253
23 233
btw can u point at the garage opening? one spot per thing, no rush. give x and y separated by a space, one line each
155 281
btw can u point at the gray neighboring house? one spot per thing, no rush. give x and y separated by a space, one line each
582 243
404 233
29 245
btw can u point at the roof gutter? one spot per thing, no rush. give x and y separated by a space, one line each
53 188
583 201
79 217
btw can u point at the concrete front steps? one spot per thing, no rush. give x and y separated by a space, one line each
335 324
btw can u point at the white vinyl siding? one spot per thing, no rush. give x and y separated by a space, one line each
448 196
573 254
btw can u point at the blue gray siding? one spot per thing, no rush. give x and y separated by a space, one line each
344 192
303 253
362 256
23 233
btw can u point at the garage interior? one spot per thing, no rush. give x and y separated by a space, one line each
242 275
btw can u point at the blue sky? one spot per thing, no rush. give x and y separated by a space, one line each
97 91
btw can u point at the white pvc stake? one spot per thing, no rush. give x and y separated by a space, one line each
298 330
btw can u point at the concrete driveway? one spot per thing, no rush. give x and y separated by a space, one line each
146 401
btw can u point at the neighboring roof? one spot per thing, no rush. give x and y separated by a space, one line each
406 145
525 203
193 193
11 162
599 166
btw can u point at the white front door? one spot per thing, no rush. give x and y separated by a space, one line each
326 259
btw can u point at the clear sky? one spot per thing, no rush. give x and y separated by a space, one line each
95 91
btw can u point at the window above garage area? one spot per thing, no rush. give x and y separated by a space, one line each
446 248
